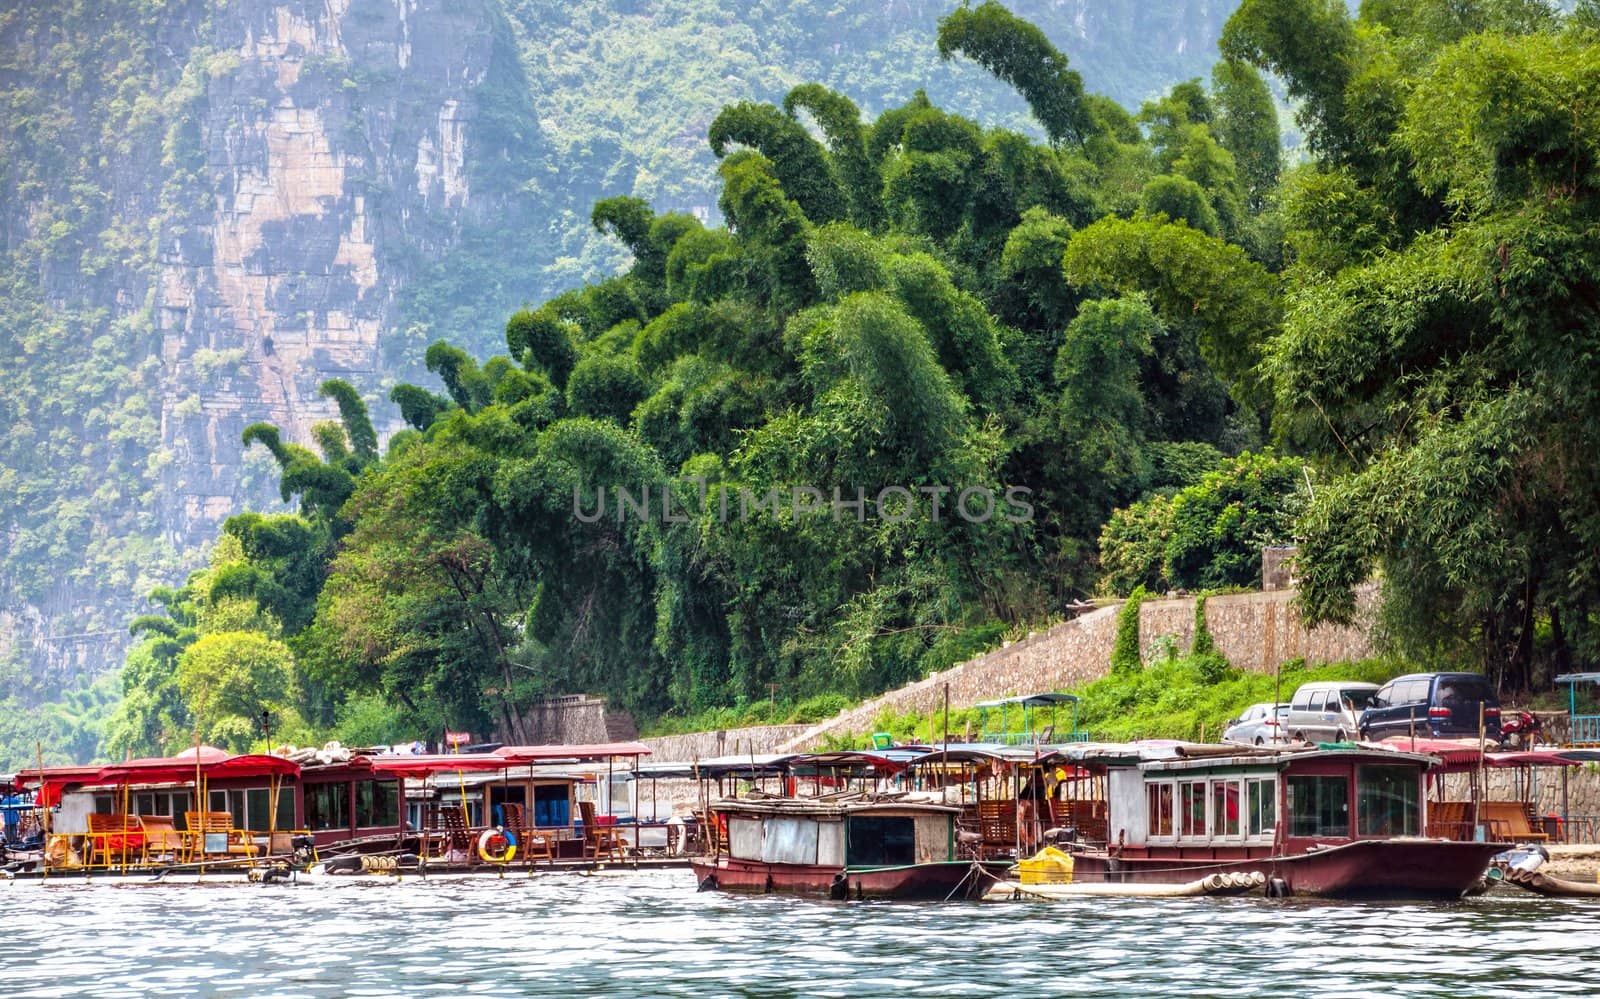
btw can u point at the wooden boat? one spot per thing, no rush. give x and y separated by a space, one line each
1340 823
860 847
209 810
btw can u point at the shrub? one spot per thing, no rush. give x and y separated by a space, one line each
1125 652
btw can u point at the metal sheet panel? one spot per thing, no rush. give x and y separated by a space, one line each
744 838
830 843
790 841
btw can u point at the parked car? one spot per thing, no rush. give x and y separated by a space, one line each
1327 710
1434 706
1258 725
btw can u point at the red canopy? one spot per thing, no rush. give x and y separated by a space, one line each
212 763
423 766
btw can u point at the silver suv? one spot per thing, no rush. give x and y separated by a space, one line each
1327 710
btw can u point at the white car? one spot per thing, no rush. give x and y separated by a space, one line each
1259 725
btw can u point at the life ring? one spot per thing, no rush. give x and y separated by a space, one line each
488 837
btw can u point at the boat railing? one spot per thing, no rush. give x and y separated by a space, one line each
1585 730
1042 737
131 845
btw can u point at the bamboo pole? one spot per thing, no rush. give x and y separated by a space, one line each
38 752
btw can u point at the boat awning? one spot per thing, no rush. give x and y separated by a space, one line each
848 762
1455 756
1030 700
712 768
1578 678
423 766
978 752
209 762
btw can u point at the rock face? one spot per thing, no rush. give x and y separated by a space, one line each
325 196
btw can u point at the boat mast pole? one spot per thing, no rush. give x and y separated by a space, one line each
44 860
944 760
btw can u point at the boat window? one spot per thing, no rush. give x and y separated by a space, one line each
1386 802
173 803
327 806
880 841
377 804
1319 806
1263 807
550 805
250 809
1159 802
1225 808
1192 808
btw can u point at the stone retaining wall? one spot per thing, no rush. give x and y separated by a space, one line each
1255 631
722 742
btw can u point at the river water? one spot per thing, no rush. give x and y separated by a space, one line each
650 933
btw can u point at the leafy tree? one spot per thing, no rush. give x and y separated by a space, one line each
229 678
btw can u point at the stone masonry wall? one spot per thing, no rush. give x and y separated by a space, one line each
1255 631
722 742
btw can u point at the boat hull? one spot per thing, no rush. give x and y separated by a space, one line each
913 882
1392 868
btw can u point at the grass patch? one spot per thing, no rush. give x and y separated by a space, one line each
1182 697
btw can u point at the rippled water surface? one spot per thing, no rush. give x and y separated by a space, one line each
651 933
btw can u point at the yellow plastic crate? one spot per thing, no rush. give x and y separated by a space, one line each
1047 867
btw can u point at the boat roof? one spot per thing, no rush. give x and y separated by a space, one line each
208 761
854 761
1455 755
829 808
1578 678
1239 756
504 758
744 766
1030 700
576 751
981 752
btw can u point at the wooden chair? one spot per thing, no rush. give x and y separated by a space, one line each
455 836
115 839
531 841
597 838
200 823
997 825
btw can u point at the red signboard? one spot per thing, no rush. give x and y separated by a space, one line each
457 739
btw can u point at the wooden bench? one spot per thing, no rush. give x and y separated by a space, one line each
200 823
115 839
1508 821
1450 820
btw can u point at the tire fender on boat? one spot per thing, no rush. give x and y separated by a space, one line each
488 837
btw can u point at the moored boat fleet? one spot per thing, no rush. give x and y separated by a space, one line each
1404 818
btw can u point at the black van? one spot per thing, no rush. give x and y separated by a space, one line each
1434 706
